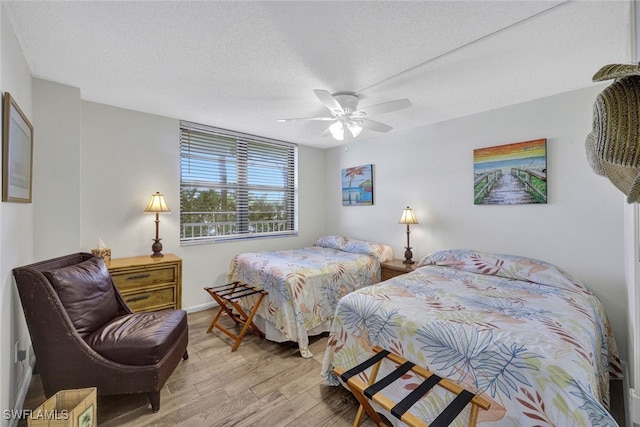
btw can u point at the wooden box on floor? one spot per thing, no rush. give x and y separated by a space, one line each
67 408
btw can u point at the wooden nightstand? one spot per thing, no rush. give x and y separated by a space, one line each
395 268
149 284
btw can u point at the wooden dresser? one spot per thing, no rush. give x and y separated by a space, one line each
395 268
149 284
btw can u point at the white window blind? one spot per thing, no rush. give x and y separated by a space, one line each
235 186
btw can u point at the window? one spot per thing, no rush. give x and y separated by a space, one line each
235 186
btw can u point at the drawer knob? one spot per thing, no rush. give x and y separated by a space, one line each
138 298
139 276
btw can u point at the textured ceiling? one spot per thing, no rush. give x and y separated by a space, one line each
243 65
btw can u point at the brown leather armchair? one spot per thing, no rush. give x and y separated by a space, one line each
84 334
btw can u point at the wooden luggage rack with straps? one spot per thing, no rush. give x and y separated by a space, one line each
228 297
373 391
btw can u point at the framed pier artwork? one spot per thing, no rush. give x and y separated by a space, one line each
510 174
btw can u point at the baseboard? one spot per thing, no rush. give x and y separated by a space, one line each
201 307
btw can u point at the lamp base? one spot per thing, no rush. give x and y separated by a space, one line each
156 248
407 256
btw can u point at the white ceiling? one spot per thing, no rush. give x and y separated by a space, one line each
243 65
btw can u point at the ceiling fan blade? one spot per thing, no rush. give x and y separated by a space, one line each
375 126
324 119
327 132
328 100
385 107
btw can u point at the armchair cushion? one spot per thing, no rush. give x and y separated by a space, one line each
139 338
86 291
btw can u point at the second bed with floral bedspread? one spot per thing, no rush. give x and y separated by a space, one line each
305 284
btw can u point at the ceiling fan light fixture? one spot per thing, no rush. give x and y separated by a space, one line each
354 128
346 115
337 130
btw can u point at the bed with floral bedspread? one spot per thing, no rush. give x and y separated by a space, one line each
522 332
304 285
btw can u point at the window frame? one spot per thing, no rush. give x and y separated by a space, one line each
247 147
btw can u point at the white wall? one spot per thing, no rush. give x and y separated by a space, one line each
56 197
127 156
431 169
632 238
16 238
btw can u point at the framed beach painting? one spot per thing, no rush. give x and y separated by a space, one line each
17 153
357 186
510 174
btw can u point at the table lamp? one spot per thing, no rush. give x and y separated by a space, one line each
408 218
157 205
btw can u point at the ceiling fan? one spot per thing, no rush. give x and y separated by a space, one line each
346 115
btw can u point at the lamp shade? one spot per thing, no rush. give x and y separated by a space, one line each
354 128
337 130
157 204
408 217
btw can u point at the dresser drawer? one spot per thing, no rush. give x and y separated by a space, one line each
136 278
153 299
147 283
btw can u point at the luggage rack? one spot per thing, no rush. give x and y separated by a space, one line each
373 391
228 297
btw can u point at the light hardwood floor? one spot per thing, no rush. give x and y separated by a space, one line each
261 384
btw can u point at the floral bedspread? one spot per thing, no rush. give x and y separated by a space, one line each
304 285
522 332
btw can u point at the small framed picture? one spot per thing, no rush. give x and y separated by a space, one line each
357 186
17 153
